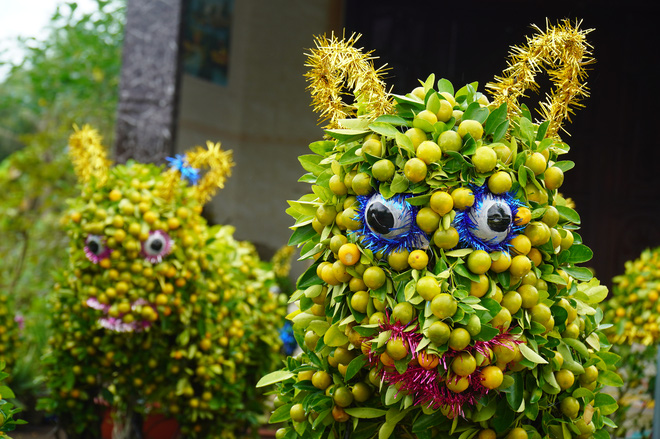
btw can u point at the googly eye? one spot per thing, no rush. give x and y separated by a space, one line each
95 248
389 224
489 224
157 246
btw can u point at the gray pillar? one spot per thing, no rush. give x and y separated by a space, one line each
148 91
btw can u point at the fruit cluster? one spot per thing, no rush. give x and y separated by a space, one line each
158 311
445 296
634 311
633 308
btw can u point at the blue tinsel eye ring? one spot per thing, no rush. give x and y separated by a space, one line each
489 224
389 224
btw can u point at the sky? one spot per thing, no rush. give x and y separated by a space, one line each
27 18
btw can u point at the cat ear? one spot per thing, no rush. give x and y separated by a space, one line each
564 53
88 155
205 169
334 65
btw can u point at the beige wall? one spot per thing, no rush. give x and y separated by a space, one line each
263 114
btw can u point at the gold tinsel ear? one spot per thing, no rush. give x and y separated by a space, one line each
218 164
336 64
563 52
206 169
88 155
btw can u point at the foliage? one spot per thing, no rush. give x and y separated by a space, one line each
377 367
157 312
72 74
7 409
635 311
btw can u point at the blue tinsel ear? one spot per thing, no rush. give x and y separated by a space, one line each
473 226
289 343
180 163
389 225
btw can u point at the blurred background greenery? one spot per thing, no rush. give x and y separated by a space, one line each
70 75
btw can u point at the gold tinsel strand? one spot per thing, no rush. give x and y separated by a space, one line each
218 163
334 65
171 179
88 155
282 261
564 53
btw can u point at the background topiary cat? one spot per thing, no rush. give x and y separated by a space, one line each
445 297
158 312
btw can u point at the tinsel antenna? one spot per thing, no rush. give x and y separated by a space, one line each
336 64
564 53
88 155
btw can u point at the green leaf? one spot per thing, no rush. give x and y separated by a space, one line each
462 270
579 253
365 412
410 102
6 392
476 112
322 147
500 131
568 214
420 200
596 294
350 156
433 103
486 412
503 418
334 336
531 355
579 273
355 365
514 395
344 135
393 120
399 183
495 118
405 143
583 392
579 347
564 165
610 378
444 85
384 129
281 414
302 234
310 162
271 378
606 403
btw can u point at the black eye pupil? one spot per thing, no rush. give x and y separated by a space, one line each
94 247
379 218
156 245
498 218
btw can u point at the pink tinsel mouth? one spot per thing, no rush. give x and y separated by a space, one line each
117 324
424 385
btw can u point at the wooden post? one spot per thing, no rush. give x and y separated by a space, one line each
146 115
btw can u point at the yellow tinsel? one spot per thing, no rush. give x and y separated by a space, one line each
88 155
282 261
563 52
336 64
218 163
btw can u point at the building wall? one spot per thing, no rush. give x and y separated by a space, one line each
263 114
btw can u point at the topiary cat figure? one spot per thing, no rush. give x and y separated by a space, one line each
444 298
